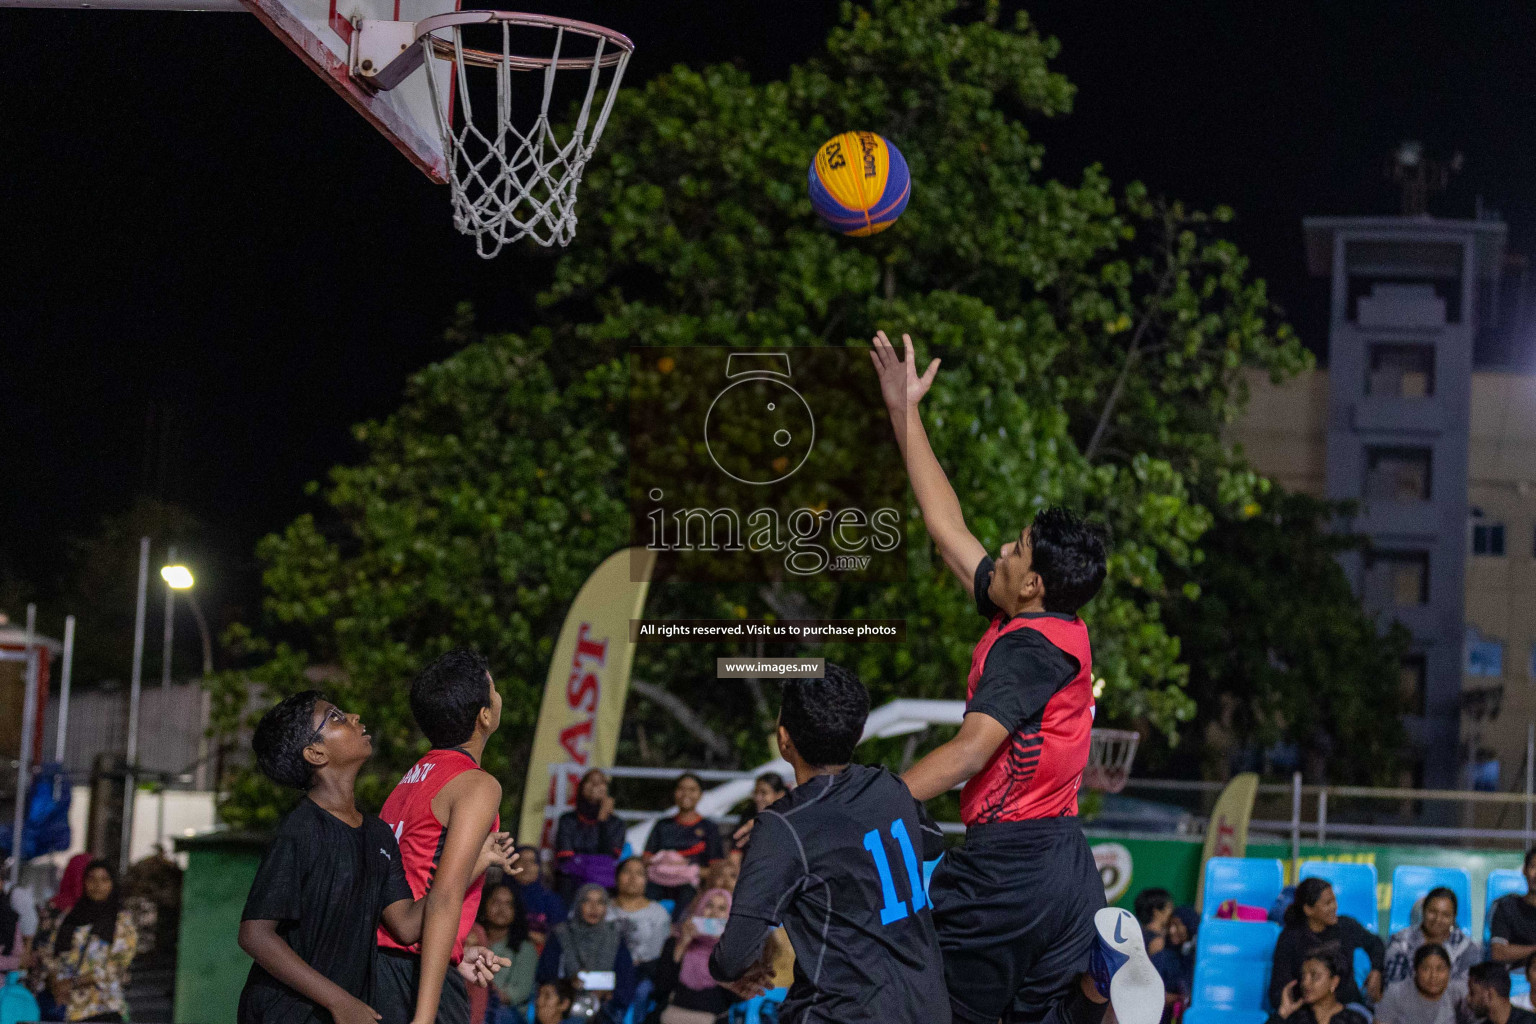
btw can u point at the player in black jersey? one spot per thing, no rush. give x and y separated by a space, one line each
839 862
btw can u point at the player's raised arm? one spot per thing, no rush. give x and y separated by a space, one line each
903 389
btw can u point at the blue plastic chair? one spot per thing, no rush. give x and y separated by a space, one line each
1223 984
1211 1015
758 1009
1237 942
1232 965
1251 880
1411 881
1353 884
1501 882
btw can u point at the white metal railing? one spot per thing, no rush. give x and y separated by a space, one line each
1319 825
736 786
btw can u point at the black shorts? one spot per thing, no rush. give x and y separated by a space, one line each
394 990
1014 911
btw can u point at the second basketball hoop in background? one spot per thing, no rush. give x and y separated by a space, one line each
513 173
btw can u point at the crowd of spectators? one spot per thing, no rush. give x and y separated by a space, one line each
74 948
593 933
1329 968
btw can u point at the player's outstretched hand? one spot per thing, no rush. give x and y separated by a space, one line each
500 850
900 385
353 1010
480 965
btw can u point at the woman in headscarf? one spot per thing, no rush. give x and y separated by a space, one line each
587 947
683 981
589 839
1175 962
89 952
1436 924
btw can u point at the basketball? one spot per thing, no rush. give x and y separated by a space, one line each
859 183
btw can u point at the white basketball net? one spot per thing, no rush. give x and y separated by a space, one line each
508 184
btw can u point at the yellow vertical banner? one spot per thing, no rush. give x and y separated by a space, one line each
588 680
1227 834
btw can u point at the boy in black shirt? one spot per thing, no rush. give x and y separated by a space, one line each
837 860
330 876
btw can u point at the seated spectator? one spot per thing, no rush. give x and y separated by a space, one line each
502 926
88 955
1313 920
1523 1000
13 945
1312 996
1513 938
553 1005
766 791
1437 925
645 924
680 847
683 981
1153 909
1175 962
544 908
588 944
589 839
1488 996
1429 997
723 874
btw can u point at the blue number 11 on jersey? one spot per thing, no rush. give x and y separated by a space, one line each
895 908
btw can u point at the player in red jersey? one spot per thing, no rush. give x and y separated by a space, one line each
442 812
1019 909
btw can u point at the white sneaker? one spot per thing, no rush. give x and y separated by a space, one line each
1122 971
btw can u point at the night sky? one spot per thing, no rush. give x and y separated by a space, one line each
212 266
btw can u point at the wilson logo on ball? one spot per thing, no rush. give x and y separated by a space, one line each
859 183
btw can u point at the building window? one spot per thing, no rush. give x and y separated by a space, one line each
1484 657
1396 579
1397 474
1485 772
1488 539
1411 677
1401 371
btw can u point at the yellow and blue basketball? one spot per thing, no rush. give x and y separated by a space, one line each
859 183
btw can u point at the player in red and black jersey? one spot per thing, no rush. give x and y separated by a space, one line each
1019 909
441 813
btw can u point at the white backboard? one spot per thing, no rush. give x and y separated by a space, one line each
320 32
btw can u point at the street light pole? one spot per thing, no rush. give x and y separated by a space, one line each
170 624
69 666
29 676
130 781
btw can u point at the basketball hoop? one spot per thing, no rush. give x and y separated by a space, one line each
1110 753
506 183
